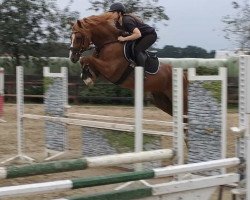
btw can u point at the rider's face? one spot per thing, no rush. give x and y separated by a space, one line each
117 17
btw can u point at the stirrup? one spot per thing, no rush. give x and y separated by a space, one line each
152 53
132 63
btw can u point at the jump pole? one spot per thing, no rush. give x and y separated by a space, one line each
84 163
242 131
139 92
185 189
1 94
20 111
115 178
178 128
248 131
245 115
138 112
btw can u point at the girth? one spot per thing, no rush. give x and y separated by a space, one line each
125 75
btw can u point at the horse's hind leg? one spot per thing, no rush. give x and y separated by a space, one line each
162 102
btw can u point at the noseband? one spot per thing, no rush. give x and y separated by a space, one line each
77 51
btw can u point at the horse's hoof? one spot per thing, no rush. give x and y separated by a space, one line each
88 81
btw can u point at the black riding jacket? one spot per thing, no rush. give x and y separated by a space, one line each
129 23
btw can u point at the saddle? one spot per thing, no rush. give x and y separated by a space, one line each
148 59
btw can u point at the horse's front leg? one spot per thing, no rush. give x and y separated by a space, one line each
95 65
88 75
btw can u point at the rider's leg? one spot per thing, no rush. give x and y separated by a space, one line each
143 44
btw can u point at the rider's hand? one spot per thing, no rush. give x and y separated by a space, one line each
125 34
121 39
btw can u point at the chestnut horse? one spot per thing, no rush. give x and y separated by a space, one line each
109 62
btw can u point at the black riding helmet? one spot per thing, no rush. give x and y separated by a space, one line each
119 7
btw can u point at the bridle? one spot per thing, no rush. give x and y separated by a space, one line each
84 45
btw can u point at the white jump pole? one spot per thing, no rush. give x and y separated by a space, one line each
247 134
139 93
1 94
243 131
20 111
178 127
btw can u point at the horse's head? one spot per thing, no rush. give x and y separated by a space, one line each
80 41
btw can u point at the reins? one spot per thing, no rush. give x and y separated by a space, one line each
98 49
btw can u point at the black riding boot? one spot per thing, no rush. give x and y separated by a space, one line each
141 59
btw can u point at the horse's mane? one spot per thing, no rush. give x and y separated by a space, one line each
94 20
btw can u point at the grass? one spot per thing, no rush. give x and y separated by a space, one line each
232 108
124 141
215 88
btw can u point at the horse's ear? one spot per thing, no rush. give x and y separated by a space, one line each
79 23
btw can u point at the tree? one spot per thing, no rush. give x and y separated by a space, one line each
26 24
238 26
195 52
144 9
188 52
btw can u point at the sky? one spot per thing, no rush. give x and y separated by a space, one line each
192 22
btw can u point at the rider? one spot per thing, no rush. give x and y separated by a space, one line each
144 34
